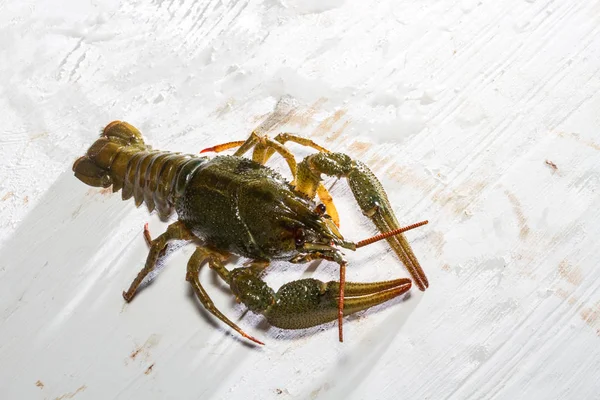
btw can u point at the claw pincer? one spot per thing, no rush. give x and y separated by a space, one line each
309 302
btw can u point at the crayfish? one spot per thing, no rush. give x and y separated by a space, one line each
232 205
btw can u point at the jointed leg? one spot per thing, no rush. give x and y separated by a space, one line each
147 236
175 231
327 200
257 266
248 144
283 138
244 145
341 299
225 146
263 150
268 148
278 146
148 239
322 192
215 261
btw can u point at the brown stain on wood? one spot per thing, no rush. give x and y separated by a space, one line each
358 149
407 176
144 349
591 316
566 295
39 384
7 196
570 273
438 242
338 132
572 300
586 142
273 121
325 126
563 293
257 118
518 210
134 354
459 198
149 369
375 162
305 118
72 394
270 122
552 165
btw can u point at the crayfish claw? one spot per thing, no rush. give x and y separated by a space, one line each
369 195
374 203
309 302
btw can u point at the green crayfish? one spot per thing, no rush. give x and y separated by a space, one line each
233 205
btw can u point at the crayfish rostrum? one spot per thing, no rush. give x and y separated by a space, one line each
233 205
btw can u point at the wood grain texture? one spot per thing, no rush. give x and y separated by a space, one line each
480 116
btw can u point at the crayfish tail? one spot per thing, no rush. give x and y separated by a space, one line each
121 158
99 167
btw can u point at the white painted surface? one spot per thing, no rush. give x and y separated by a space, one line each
456 105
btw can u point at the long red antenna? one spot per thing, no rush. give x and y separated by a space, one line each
382 236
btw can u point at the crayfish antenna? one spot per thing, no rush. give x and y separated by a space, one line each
386 235
244 334
341 301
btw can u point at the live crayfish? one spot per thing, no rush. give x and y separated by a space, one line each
234 205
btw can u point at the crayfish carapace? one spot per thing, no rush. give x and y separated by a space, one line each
234 205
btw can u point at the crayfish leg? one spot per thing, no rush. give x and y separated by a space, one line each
147 236
215 261
341 301
288 137
223 146
148 239
327 200
175 231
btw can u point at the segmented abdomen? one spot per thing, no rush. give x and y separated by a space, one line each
158 178
121 158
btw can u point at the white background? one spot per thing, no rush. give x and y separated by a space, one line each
481 116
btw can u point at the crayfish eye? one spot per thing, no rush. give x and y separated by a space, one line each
300 237
320 209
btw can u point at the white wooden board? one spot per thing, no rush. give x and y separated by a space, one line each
481 116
